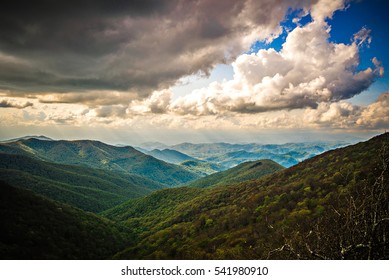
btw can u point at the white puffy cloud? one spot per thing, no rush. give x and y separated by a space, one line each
346 115
337 115
325 9
376 115
308 70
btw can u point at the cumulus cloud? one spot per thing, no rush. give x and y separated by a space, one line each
157 103
338 115
376 115
324 9
7 103
307 71
346 115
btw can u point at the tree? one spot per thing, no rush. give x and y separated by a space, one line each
355 225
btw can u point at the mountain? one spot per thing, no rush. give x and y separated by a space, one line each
230 155
34 227
170 156
89 189
332 206
243 172
96 154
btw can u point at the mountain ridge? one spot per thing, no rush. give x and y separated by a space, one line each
86 188
97 154
170 156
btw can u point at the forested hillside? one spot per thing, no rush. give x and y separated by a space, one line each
89 189
37 228
333 206
102 156
242 172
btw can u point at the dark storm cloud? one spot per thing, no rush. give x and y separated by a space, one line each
137 46
59 45
41 25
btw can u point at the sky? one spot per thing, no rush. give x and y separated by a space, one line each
176 71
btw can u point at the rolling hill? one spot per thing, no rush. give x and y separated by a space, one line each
102 156
34 227
243 172
332 206
89 189
170 156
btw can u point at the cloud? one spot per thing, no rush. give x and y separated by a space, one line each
363 36
324 9
376 115
136 46
336 115
157 103
307 71
113 63
346 115
90 98
327 115
6 103
110 111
